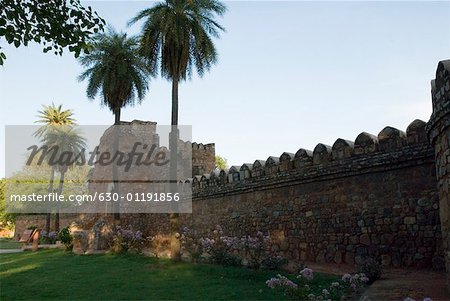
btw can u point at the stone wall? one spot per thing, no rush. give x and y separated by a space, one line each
203 158
39 220
439 134
373 197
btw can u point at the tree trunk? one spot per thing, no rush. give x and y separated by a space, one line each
174 135
50 190
114 164
175 246
117 116
175 102
60 190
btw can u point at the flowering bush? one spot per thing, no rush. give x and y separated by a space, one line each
372 269
221 249
229 250
125 239
354 282
252 251
48 238
305 290
255 249
288 286
190 244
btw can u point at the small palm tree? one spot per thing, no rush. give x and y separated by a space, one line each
52 116
115 71
177 38
68 144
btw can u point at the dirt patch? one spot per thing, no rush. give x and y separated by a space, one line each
416 284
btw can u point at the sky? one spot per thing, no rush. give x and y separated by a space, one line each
290 75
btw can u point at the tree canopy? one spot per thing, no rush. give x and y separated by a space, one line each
115 71
56 24
221 163
177 36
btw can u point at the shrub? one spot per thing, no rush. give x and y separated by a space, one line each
219 256
304 290
252 251
190 245
273 262
66 238
372 269
48 238
125 239
220 249
255 248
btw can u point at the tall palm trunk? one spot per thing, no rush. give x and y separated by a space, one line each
175 102
50 190
174 220
60 190
117 116
114 164
173 141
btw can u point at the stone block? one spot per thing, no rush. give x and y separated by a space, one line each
409 220
80 241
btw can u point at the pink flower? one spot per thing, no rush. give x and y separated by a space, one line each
347 277
273 282
307 273
281 281
291 285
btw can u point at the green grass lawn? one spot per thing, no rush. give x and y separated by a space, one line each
58 275
8 243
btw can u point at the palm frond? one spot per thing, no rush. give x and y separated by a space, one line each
177 35
108 70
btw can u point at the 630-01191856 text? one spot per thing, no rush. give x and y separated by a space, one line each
101 197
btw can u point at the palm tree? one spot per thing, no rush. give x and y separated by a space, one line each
177 39
119 74
68 144
115 71
51 116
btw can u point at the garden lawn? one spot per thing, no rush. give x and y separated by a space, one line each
9 243
55 274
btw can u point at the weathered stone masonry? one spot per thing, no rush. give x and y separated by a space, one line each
376 197
439 135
